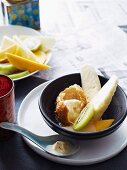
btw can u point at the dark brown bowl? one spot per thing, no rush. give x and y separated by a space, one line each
117 109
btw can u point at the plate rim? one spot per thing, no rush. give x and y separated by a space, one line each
49 54
56 159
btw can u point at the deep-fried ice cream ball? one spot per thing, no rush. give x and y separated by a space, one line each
69 104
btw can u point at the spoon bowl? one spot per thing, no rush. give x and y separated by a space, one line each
45 143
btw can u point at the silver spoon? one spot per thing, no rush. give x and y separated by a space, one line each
45 143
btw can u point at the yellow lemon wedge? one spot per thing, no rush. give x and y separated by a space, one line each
25 64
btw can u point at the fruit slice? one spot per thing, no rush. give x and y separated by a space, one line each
7 68
10 49
25 64
19 75
7 42
98 105
25 52
4 60
98 125
47 42
41 56
89 128
102 124
33 43
102 100
84 118
90 81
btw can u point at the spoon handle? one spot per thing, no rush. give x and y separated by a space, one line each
31 136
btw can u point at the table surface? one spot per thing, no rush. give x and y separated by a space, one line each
15 153
81 36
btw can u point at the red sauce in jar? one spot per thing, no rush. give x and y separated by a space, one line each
5 85
7 103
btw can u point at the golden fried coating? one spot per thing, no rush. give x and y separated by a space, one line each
69 104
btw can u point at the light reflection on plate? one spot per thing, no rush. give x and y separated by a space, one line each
91 151
21 30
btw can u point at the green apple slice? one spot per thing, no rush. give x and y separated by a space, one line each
7 68
84 118
19 75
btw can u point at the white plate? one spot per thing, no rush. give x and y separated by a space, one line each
92 151
20 30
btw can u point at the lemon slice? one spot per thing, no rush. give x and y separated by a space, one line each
32 43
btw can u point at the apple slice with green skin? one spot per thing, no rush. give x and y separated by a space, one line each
19 75
98 105
84 118
7 68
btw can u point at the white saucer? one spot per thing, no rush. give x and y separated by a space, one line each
92 151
